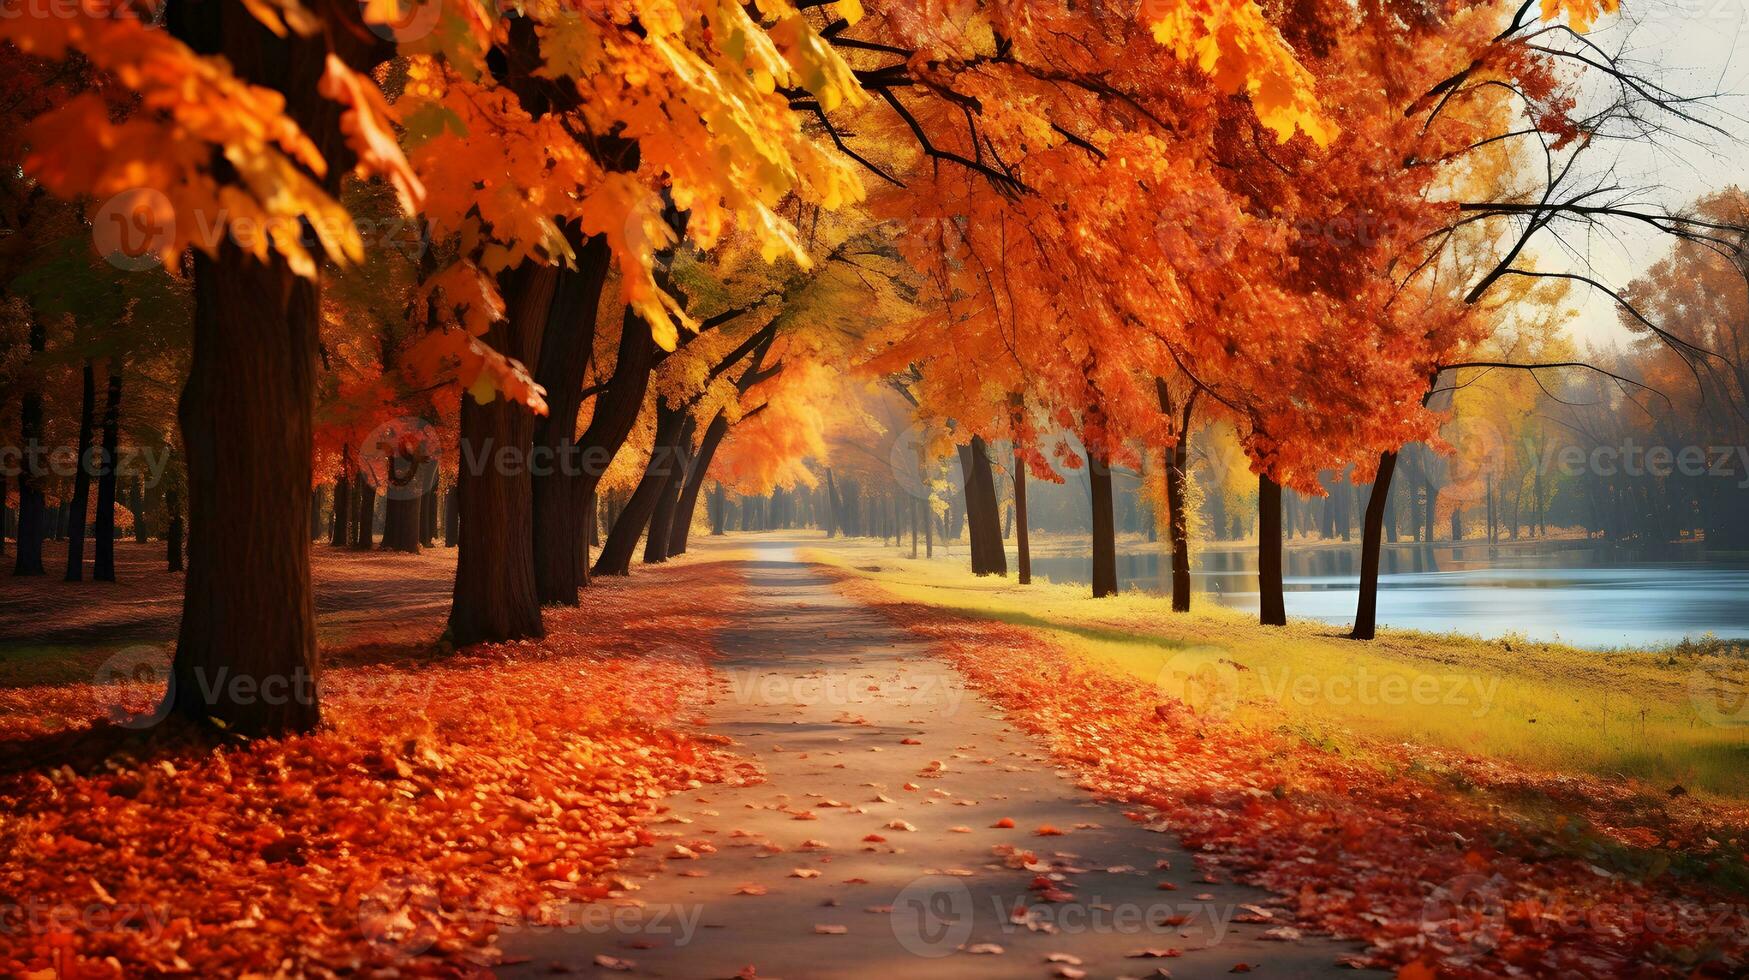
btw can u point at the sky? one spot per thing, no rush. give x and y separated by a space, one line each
1693 47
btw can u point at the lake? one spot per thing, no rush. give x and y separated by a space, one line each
1580 592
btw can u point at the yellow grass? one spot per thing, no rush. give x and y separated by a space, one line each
1672 717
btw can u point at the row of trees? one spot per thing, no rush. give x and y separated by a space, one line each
552 248
1325 295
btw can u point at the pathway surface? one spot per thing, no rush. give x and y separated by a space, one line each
872 849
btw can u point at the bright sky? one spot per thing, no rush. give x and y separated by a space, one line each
1693 47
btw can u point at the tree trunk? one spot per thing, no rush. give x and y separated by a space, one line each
1371 538
1177 522
103 524
968 488
246 651
1271 608
668 500
1177 461
246 654
832 522
173 533
1104 526
137 504
981 511
681 527
1022 536
82 476
622 540
32 526
428 517
452 510
403 501
616 412
928 528
364 532
494 598
591 538
722 501
342 519
562 492
915 506
318 496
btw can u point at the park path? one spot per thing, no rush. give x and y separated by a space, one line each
872 851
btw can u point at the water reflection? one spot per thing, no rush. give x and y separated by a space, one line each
1579 592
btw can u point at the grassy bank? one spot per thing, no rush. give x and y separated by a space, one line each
1667 718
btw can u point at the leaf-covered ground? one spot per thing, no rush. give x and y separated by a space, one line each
1503 875
445 795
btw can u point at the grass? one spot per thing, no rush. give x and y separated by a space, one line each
1677 716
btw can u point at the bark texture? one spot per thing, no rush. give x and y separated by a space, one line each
103 523
1271 608
82 477
246 650
1022 544
982 516
1104 526
32 509
622 540
494 598
1371 539
562 490
668 499
342 520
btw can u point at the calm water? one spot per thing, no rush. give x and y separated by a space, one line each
1578 592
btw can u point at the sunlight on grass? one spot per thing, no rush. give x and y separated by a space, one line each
1670 717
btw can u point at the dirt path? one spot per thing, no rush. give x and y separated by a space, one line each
873 851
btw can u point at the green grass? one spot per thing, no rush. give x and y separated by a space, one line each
1676 716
